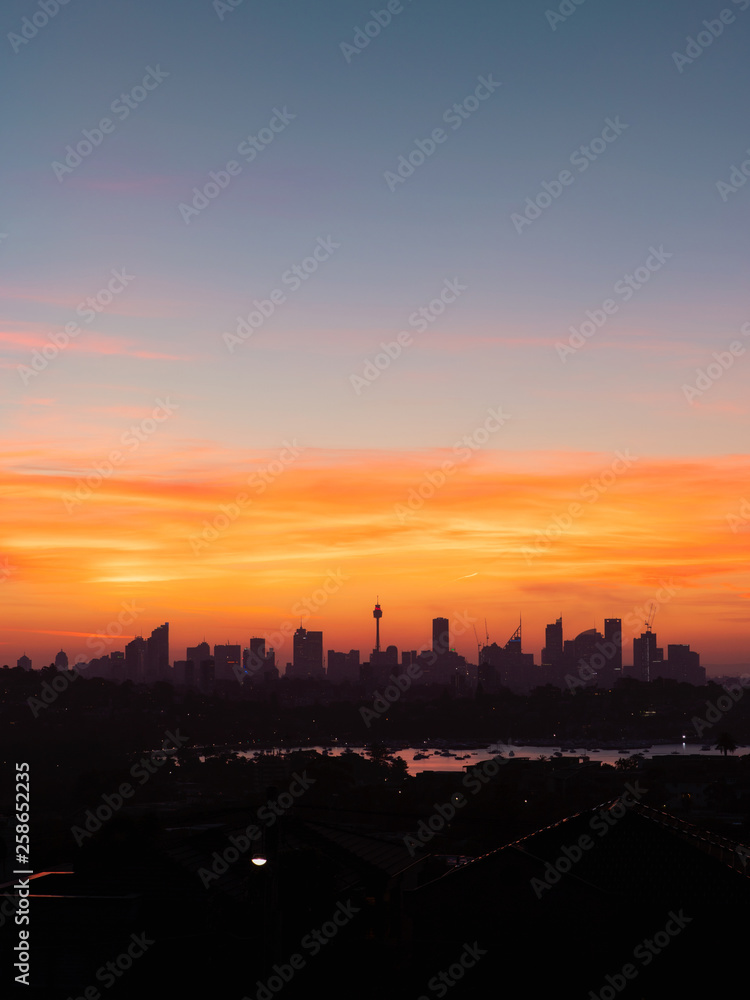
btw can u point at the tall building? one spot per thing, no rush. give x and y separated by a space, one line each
61 660
552 653
206 676
24 662
307 655
259 663
135 660
613 635
197 654
254 658
343 668
440 636
184 674
157 654
682 664
441 664
647 657
228 662
507 666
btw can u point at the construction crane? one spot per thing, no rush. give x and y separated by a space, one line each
650 619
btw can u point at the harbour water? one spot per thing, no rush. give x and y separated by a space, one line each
454 757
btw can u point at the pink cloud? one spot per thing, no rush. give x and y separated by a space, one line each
90 343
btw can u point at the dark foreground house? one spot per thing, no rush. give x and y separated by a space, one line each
619 900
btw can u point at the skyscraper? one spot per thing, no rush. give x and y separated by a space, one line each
258 662
255 657
683 664
228 662
157 654
440 636
135 660
613 635
198 654
343 667
646 655
552 653
307 655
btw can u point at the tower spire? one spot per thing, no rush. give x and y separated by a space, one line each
377 615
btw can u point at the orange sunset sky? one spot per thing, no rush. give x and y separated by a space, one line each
391 294
219 559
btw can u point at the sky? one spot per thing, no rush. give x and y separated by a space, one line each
305 305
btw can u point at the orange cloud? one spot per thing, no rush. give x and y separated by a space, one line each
234 545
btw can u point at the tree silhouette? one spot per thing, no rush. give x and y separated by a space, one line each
726 743
631 763
379 753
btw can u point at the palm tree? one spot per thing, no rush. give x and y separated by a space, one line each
726 743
